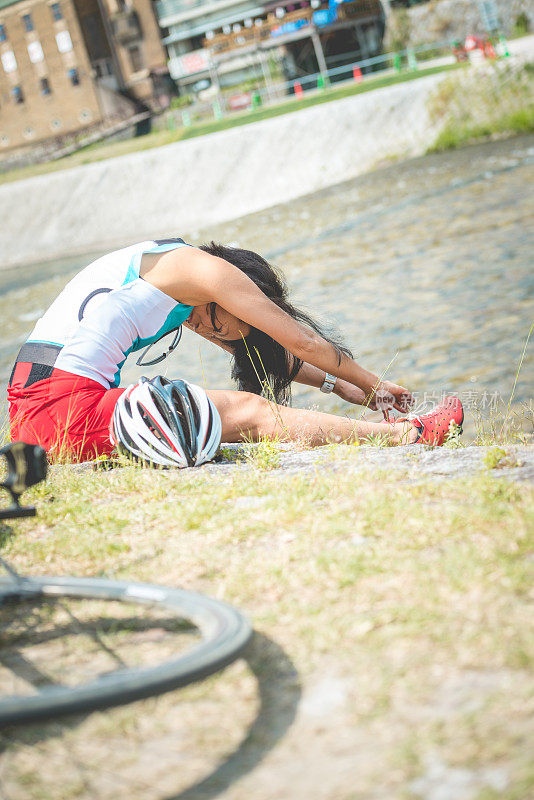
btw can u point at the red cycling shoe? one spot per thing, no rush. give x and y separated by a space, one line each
435 427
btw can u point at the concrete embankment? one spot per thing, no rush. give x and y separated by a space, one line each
181 187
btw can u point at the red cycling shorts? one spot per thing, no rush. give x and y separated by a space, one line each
66 414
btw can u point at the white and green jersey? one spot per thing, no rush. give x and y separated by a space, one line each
104 313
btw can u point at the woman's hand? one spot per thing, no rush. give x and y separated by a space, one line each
387 395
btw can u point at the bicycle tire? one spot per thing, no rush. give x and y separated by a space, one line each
225 632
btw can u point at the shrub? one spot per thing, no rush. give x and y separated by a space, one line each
493 101
522 25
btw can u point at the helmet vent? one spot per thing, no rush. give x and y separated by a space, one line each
196 410
149 422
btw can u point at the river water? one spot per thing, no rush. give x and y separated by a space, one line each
426 267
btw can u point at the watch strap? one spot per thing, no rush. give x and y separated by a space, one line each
328 383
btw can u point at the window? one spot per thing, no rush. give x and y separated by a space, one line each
3 34
136 58
56 12
9 62
35 52
63 41
16 93
27 22
44 86
74 76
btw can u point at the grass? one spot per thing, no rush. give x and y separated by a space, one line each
400 611
496 102
454 135
102 151
264 454
506 425
499 458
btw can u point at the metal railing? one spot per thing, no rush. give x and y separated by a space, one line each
267 92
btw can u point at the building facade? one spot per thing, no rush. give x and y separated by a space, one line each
70 65
231 40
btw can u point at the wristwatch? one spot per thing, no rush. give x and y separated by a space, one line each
328 383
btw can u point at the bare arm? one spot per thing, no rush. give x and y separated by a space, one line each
311 376
196 278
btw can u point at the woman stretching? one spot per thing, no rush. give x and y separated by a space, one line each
65 382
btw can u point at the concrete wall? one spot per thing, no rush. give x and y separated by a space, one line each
182 187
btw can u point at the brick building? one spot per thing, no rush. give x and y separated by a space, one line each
68 65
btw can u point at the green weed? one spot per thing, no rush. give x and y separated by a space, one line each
263 454
494 102
498 458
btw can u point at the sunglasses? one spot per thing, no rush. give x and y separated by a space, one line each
174 344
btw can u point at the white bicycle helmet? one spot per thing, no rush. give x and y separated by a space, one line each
171 423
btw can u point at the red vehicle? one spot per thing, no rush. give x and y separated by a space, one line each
485 46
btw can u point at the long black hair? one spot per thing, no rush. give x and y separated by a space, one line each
259 361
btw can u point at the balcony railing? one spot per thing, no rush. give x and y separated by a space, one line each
291 23
355 10
169 8
250 36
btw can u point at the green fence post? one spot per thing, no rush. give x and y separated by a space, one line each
171 122
504 46
186 119
397 65
256 100
217 110
412 60
320 81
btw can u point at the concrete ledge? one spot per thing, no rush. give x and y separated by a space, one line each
408 464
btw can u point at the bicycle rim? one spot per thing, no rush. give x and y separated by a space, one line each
224 633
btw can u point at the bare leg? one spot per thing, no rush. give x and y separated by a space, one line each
248 416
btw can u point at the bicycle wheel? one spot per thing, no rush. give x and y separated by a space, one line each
61 636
